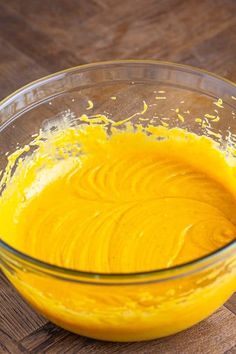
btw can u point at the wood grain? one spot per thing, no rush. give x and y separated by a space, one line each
40 37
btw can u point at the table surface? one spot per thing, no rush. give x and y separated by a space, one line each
40 37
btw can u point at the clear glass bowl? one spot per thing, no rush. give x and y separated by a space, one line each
122 307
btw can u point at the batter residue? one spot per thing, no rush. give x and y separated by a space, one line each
125 202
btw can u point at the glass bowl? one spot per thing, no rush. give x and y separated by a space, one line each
137 306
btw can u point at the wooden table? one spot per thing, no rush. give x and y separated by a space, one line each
40 37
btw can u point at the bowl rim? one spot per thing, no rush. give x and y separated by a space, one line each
182 269
49 77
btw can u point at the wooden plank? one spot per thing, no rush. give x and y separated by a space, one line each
113 31
44 49
51 339
17 318
205 54
9 346
17 69
231 304
231 351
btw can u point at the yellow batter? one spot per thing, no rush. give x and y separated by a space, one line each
127 202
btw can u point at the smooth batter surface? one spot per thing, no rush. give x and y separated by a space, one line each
121 203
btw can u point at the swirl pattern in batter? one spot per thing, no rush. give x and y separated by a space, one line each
125 203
